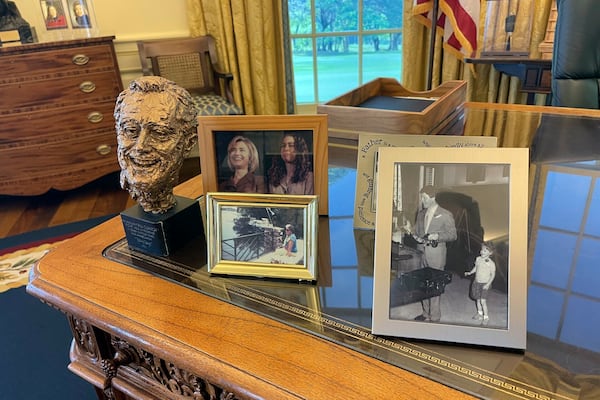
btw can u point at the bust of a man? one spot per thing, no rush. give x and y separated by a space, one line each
156 128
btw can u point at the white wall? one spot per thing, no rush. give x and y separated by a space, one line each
127 20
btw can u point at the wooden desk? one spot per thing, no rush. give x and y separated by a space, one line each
535 74
137 335
172 341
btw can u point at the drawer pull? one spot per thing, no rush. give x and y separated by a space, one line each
87 86
80 59
103 149
95 117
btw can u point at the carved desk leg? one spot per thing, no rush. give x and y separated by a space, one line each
90 346
120 370
140 374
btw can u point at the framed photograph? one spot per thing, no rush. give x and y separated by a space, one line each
451 245
366 165
271 154
261 235
82 15
54 14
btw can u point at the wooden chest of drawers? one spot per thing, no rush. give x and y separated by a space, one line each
56 114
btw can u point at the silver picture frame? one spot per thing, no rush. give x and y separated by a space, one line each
489 188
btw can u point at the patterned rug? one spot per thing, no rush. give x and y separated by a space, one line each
34 337
18 254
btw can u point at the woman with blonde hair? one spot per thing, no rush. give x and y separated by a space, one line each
243 161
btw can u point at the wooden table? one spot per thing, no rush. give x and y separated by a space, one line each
172 340
137 335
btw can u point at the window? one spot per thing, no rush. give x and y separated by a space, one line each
337 45
565 276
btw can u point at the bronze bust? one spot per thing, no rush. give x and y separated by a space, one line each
156 128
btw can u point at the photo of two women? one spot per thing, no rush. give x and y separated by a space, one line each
273 162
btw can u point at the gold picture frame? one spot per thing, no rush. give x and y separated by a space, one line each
262 235
414 272
266 133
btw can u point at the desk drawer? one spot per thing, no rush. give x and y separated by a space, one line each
70 163
60 122
59 92
43 64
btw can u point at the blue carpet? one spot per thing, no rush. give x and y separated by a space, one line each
35 338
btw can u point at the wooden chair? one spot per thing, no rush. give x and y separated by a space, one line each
192 64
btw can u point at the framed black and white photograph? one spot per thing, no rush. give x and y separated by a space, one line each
261 235
270 154
451 245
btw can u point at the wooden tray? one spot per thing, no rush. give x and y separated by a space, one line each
384 106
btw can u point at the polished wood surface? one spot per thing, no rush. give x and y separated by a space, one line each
104 196
187 334
245 354
56 123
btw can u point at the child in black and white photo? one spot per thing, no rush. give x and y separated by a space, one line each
485 272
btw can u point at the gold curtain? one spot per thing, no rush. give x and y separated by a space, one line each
486 84
250 40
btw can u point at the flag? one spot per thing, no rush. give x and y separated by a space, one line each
457 19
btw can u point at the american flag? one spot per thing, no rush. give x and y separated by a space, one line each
457 18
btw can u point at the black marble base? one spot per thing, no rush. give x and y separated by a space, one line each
162 234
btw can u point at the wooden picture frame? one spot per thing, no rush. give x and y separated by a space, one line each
368 144
266 132
485 191
249 234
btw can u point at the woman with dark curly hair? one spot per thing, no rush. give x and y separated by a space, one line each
292 172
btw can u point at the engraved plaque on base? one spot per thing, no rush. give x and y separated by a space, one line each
162 234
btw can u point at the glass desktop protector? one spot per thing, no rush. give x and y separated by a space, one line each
338 308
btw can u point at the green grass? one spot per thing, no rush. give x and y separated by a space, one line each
338 73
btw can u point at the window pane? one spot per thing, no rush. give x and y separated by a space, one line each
344 295
379 60
543 311
302 58
382 14
564 201
336 15
578 329
553 257
587 272
340 232
366 291
344 55
299 16
342 181
337 70
592 226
